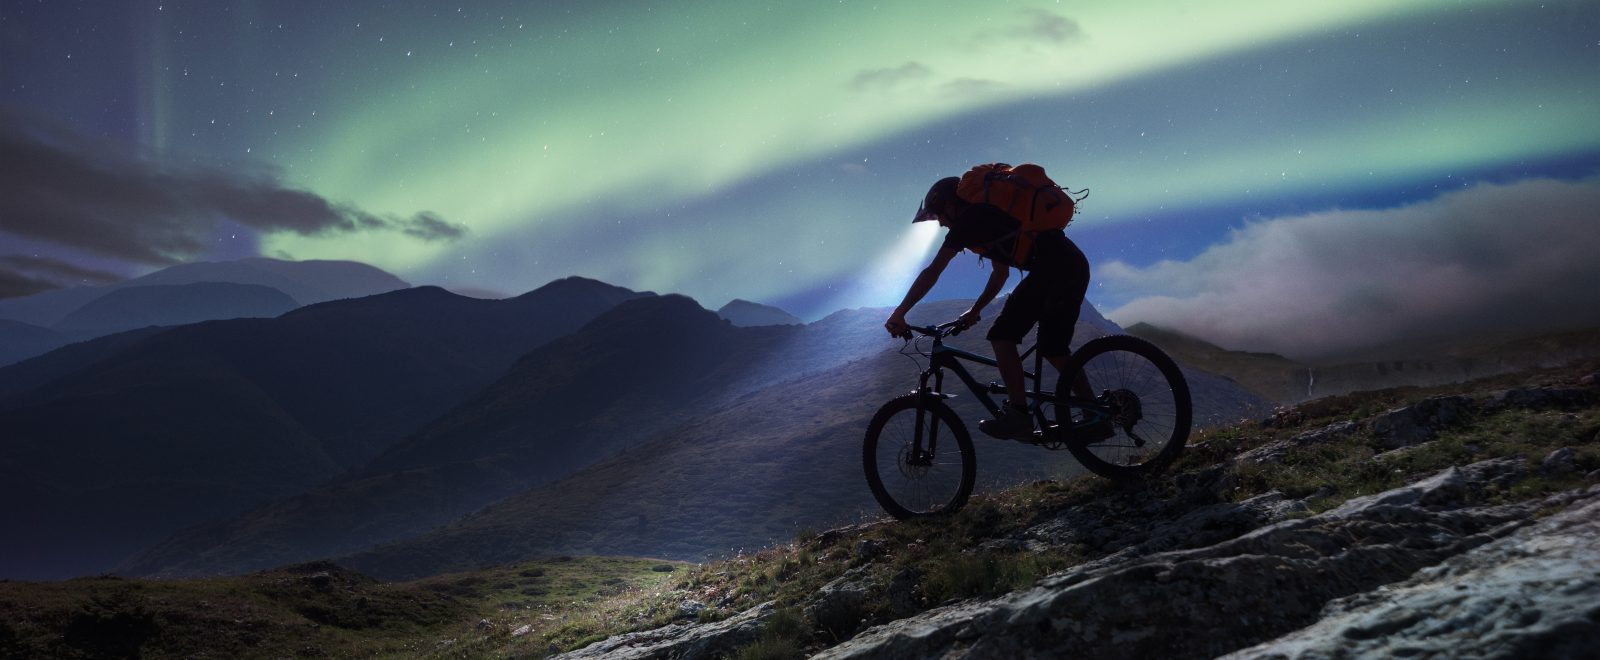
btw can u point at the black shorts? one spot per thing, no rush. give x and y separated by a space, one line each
1049 297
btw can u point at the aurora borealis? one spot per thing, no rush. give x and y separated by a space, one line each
775 151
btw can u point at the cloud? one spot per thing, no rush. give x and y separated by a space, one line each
98 197
889 78
1511 258
973 87
1034 27
25 275
1043 26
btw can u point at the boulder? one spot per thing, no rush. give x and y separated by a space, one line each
1273 452
1417 423
1539 398
838 606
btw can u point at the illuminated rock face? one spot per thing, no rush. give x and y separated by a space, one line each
1474 595
1533 594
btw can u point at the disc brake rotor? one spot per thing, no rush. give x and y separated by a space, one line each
909 466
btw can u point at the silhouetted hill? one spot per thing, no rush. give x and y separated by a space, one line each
35 371
1268 374
646 366
306 282
134 307
19 341
773 407
744 313
202 421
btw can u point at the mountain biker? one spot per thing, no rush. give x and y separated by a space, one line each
1050 293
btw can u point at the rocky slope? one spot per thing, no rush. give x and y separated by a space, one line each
1450 522
1457 523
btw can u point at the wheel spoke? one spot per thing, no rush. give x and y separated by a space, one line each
906 484
1148 401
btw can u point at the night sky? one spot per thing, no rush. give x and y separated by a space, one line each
1298 177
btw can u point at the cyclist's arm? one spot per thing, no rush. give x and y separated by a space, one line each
924 282
997 281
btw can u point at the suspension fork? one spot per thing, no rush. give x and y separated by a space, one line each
926 420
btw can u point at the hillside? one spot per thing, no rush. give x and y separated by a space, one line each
1414 363
725 407
128 438
181 294
307 282
761 468
1273 376
1456 521
319 610
20 341
556 409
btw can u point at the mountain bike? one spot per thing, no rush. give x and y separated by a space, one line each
1121 408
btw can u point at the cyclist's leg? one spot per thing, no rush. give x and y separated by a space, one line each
1017 317
1058 320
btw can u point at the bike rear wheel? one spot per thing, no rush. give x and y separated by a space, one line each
1147 397
916 474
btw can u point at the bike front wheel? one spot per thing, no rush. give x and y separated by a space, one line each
1142 399
918 469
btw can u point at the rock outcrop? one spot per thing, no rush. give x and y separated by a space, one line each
680 640
1533 594
1207 601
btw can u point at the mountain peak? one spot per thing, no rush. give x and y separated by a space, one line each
576 285
744 313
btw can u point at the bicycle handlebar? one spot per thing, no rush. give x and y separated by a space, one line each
937 331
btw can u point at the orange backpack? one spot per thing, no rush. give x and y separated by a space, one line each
1024 193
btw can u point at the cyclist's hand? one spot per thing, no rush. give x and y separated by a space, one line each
896 325
967 319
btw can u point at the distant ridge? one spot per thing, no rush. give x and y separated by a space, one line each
1414 363
745 314
136 307
19 341
307 282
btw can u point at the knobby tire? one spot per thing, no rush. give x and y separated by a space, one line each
909 491
1135 369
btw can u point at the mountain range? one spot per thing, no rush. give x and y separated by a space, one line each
418 431
115 443
658 429
178 295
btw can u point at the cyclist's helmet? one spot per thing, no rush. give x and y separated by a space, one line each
932 203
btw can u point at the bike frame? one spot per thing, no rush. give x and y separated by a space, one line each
942 357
